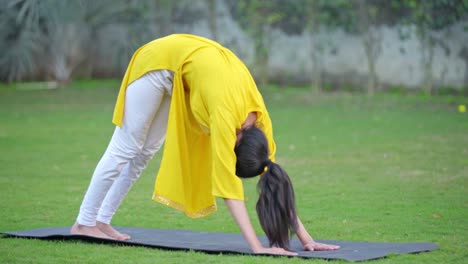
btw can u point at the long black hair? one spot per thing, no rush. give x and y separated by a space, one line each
276 207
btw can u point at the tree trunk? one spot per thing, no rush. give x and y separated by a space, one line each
67 50
316 48
370 44
212 18
316 82
262 64
372 82
427 50
261 55
464 55
164 10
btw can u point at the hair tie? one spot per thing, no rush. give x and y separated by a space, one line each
268 163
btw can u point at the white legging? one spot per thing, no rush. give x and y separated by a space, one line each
147 103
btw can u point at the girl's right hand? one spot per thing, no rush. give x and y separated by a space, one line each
275 251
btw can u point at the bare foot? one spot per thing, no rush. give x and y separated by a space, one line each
110 231
92 231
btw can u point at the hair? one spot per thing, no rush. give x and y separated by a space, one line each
276 207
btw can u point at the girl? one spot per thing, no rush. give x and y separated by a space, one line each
218 129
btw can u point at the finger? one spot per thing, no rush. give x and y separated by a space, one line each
289 253
333 247
327 247
285 252
309 248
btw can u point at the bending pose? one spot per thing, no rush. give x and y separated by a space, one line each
218 131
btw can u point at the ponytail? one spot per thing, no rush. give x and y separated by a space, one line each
276 207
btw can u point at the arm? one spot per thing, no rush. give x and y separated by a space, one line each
302 233
239 213
308 242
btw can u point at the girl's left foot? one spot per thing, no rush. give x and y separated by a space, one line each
110 231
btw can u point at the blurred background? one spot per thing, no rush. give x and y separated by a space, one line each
391 167
367 45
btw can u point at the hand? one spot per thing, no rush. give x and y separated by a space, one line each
275 251
315 246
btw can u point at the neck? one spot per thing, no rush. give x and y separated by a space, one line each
250 120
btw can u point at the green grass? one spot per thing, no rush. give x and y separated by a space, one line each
390 168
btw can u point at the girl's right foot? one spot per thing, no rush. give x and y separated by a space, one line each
111 232
92 231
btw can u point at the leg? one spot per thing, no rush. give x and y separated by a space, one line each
133 170
142 103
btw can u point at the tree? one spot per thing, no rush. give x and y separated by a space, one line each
212 18
258 17
313 25
53 36
366 14
20 40
428 16
322 15
162 11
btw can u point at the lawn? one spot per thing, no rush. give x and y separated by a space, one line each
390 168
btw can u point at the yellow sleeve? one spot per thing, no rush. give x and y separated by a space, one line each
225 182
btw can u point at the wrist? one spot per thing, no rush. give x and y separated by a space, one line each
256 249
309 242
256 246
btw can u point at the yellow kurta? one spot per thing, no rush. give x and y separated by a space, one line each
213 92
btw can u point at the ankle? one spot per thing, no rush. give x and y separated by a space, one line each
80 226
99 223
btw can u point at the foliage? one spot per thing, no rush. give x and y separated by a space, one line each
20 41
363 16
59 40
427 16
258 17
52 34
55 37
434 14
292 16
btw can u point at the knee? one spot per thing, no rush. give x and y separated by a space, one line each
124 151
149 150
139 163
146 154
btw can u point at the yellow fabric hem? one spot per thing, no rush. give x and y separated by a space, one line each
202 213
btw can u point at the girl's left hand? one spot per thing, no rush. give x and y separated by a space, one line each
315 246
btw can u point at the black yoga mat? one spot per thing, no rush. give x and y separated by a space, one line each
228 243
